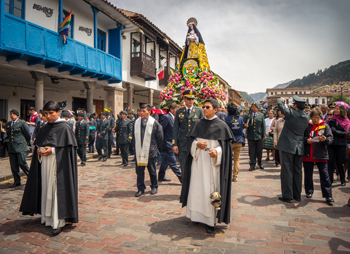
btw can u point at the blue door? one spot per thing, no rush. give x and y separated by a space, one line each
101 40
15 7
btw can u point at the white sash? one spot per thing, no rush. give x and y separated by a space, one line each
142 153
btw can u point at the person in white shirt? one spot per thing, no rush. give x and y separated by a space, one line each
269 132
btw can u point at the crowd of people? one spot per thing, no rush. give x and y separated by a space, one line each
201 145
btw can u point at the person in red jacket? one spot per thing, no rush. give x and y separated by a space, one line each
317 137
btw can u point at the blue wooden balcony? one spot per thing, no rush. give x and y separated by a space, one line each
20 39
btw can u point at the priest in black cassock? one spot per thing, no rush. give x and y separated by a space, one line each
208 169
52 185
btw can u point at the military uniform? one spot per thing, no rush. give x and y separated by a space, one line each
111 121
256 132
19 136
101 143
184 122
291 143
124 137
82 132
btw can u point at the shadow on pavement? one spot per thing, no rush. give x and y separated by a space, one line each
335 212
266 201
268 177
334 243
119 194
182 227
146 197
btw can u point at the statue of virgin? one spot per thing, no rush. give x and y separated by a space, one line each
194 45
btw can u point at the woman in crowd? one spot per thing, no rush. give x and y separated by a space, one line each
235 123
339 124
269 133
277 127
317 137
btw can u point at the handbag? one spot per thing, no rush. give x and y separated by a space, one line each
268 143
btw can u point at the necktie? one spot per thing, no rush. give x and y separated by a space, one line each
13 122
188 111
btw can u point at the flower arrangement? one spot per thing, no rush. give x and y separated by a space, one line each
206 85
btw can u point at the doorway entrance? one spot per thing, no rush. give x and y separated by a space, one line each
3 109
99 106
78 103
25 105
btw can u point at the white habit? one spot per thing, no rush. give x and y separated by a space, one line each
49 207
205 179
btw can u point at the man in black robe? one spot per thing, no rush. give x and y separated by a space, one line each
208 168
52 185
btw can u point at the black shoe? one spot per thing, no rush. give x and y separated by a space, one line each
108 156
180 179
308 195
343 184
329 200
15 185
261 166
164 180
267 159
297 199
116 154
83 164
252 168
139 193
154 191
277 164
210 229
100 158
56 231
104 159
288 200
125 165
133 160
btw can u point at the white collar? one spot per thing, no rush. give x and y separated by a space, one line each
171 114
188 108
210 118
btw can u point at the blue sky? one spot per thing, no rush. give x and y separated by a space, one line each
257 44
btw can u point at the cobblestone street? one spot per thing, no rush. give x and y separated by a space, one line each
112 220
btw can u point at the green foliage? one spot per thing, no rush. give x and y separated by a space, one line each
329 76
338 98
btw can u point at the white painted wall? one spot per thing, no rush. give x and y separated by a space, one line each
39 17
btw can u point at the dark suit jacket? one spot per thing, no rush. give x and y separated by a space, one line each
167 122
292 136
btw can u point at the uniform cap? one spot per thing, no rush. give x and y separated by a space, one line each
307 105
124 112
105 113
14 111
297 99
64 114
190 94
81 114
331 105
130 112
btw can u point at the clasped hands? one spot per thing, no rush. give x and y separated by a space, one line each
202 145
46 152
321 138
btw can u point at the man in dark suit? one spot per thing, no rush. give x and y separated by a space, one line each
166 151
124 136
148 134
324 109
291 143
19 135
82 132
185 119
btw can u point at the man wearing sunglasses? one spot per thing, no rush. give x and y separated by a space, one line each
185 119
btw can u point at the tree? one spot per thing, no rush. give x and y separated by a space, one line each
338 98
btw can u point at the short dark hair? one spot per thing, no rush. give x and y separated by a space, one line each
315 111
3 120
31 108
231 109
301 106
51 105
173 105
146 106
213 102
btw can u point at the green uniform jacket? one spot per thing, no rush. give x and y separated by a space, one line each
102 128
19 136
291 138
124 131
256 127
183 124
82 132
71 124
111 126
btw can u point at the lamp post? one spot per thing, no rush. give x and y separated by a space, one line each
341 91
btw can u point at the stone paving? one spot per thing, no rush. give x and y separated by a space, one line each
112 220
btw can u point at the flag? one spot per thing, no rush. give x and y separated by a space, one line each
63 29
161 70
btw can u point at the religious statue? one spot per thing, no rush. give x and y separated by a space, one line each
194 48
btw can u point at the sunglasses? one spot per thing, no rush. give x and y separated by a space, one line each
190 99
206 107
330 114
